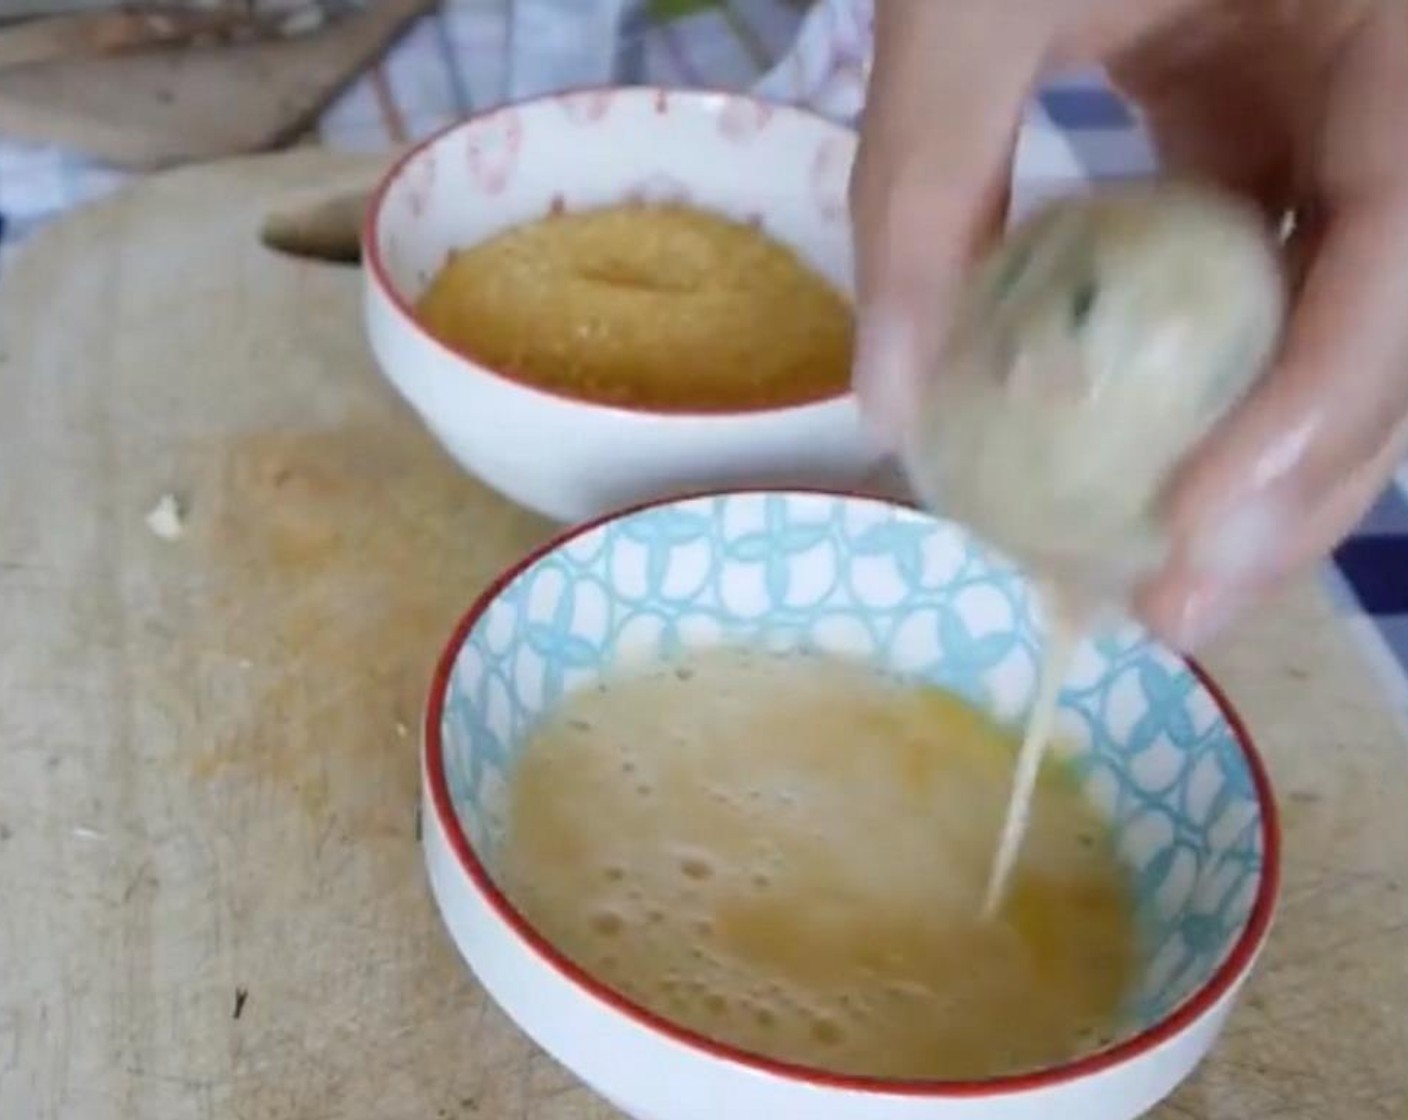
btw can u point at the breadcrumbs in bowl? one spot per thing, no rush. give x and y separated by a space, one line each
664 308
610 296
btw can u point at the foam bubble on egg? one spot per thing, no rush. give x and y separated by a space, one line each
737 900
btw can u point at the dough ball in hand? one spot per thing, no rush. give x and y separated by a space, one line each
1090 352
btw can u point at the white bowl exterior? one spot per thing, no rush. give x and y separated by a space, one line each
570 460
865 578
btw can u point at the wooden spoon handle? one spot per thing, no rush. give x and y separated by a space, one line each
330 230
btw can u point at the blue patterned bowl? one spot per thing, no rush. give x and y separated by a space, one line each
1159 749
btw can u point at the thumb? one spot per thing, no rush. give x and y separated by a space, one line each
930 185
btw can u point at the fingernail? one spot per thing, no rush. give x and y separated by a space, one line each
1204 614
1240 543
884 374
1224 557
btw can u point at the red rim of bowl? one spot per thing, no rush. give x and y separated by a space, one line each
376 267
1238 961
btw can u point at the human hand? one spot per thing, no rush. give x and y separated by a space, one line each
1294 103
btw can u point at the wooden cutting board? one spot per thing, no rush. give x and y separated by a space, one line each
158 108
213 903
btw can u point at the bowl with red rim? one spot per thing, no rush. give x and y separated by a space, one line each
569 457
1156 746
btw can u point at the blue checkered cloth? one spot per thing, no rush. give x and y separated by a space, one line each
454 62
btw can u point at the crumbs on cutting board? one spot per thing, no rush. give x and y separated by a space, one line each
167 519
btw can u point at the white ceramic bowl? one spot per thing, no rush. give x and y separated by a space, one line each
1158 746
564 457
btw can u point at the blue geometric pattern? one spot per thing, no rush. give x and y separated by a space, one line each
915 595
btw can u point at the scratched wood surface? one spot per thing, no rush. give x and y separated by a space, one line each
148 109
211 899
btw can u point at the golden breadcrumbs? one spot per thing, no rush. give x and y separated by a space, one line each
657 307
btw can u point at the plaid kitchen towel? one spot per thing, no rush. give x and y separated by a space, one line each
463 59
458 61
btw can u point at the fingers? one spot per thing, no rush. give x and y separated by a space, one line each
1230 92
1189 605
1217 126
930 184
1287 476
1296 466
